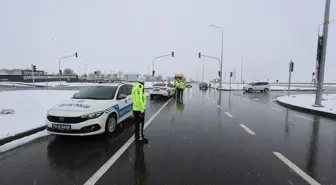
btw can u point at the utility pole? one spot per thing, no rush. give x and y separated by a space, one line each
321 65
221 61
241 70
203 72
291 68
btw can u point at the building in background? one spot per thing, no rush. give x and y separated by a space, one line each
25 75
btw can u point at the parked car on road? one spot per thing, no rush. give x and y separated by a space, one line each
94 110
257 86
162 89
203 86
188 86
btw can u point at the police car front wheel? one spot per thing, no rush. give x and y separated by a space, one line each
111 124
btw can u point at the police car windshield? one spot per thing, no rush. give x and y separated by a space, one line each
159 85
96 93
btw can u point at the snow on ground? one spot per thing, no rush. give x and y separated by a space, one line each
55 84
12 84
30 109
307 101
22 141
272 87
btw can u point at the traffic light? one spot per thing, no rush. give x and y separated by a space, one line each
319 48
313 74
291 66
76 55
60 72
172 53
199 54
33 67
95 72
153 73
231 74
219 73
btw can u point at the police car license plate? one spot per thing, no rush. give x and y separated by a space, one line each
61 127
156 90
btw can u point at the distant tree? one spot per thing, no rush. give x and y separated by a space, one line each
102 76
84 75
68 71
108 75
120 74
159 78
98 72
91 75
115 76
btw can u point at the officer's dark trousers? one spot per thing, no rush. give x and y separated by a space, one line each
178 93
139 124
181 93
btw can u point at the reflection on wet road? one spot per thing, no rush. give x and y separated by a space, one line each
209 137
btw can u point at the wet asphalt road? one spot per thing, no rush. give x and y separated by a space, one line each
202 141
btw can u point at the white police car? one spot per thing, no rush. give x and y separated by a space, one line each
94 110
162 89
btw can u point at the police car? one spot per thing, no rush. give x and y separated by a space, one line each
162 89
94 110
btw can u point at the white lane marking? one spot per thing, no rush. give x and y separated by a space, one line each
276 109
103 169
229 114
247 129
296 169
219 106
297 115
213 102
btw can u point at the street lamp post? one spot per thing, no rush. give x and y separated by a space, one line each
221 61
59 64
84 71
321 64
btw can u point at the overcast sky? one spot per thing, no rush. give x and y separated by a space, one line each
127 34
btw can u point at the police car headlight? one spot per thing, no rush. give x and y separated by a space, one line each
92 115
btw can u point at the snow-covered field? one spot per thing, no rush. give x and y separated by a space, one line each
30 108
307 101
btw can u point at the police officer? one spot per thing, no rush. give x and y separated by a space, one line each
182 86
177 86
139 107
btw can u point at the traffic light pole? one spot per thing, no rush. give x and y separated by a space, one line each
33 68
220 64
321 65
59 64
153 71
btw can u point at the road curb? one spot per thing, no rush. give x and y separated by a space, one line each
21 135
306 110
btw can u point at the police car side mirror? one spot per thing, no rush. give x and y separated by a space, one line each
121 96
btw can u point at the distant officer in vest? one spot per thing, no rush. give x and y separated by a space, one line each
139 107
182 86
177 87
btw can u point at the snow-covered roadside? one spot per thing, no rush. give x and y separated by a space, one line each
307 100
30 108
272 87
22 141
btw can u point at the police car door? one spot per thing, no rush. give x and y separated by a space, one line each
122 100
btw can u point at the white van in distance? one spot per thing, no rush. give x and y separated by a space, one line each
257 86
